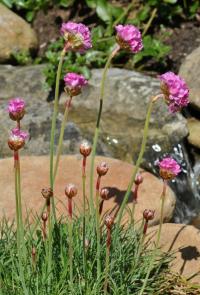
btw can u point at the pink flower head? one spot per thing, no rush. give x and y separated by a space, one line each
17 139
129 38
175 91
77 36
74 82
16 108
169 168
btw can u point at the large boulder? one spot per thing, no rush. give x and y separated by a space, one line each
15 34
190 71
184 241
35 176
127 95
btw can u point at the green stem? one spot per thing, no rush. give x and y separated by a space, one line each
17 207
161 212
98 230
53 125
84 217
96 134
107 260
70 254
60 142
139 160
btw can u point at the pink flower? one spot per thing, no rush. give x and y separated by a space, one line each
175 91
129 38
74 83
169 168
77 36
17 139
16 108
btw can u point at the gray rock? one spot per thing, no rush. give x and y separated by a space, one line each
125 105
127 95
27 82
190 71
15 34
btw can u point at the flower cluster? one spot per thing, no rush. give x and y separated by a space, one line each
77 36
16 108
74 83
17 139
175 91
169 168
129 38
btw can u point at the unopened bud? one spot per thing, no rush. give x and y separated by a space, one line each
104 193
33 251
47 193
17 139
102 169
87 243
109 221
148 214
71 190
85 148
139 179
44 216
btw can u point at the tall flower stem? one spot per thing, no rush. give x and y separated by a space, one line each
96 134
70 242
60 142
139 160
161 212
108 243
98 228
53 124
84 217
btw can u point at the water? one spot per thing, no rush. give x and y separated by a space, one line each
186 185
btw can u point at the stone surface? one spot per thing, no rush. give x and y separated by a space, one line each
184 240
35 176
15 34
190 71
194 131
127 94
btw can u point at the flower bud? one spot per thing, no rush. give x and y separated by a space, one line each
102 169
44 216
47 193
16 109
71 190
148 214
139 179
74 83
17 139
104 193
85 148
109 221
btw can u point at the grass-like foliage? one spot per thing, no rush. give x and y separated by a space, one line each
128 262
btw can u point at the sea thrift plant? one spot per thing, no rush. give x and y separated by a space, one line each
175 91
74 83
16 108
129 38
77 36
87 250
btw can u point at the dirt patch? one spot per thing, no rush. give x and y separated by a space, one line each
183 40
47 25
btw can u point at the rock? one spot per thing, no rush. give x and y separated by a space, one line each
194 131
184 240
190 71
122 121
27 82
15 34
35 176
127 94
